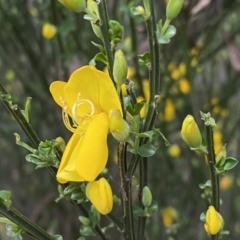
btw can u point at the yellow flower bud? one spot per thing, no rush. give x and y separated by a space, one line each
48 30
146 197
169 215
173 8
118 126
74 5
174 150
190 132
214 221
100 195
61 143
120 68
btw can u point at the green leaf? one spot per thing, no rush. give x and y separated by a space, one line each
138 211
157 131
86 231
169 33
230 163
57 237
100 57
147 150
5 196
203 217
145 58
148 134
100 47
151 210
208 184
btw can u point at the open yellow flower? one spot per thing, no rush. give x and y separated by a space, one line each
87 98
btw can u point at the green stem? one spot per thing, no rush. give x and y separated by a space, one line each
214 176
29 227
126 194
102 8
143 183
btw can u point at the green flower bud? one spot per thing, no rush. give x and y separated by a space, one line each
118 126
120 68
190 132
61 143
74 5
222 154
173 8
146 197
84 220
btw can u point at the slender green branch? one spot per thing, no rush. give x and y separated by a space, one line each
29 227
102 8
126 194
214 176
143 183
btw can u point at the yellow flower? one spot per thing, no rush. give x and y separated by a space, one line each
169 111
146 91
190 132
48 30
184 85
74 5
174 150
214 221
182 68
85 98
100 195
225 183
143 110
217 138
175 74
169 214
171 66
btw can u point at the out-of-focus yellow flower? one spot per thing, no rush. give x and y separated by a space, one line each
190 132
171 66
194 62
214 221
184 85
175 74
214 101
169 215
33 11
225 182
100 195
217 138
224 112
48 30
182 68
85 98
146 91
9 75
194 51
174 150
169 111
143 110
74 5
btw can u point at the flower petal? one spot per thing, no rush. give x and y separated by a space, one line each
93 151
56 89
94 86
100 194
67 170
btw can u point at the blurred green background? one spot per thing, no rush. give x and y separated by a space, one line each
200 71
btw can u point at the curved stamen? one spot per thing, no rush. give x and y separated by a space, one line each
77 122
74 110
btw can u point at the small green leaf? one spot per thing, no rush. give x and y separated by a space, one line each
151 210
138 211
147 150
230 163
57 237
145 58
86 231
203 217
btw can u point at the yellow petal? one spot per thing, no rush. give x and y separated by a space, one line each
56 89
93 151
67 170
100 194
94 86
